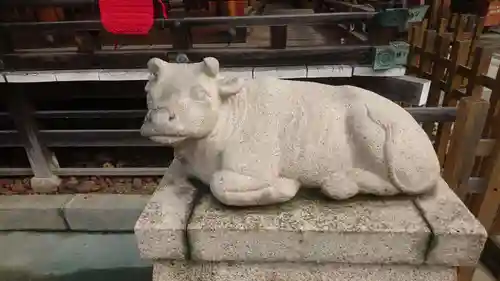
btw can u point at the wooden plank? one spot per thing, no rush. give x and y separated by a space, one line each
491 255
465 273
82 172
476 34
278 36
318 71
416 39
229 57
487 204
458 54
255 20
286 72
281 72
30 77
441 44
479 67
420 114
407 89
466 135
181 37
436 114
425 62
88 42
368 71
41 159
491 128
485 147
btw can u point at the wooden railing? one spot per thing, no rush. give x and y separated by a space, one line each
77 40
471 161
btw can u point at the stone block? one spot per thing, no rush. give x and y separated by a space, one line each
32 212
310 228
104 212
204 271
161 228
458 236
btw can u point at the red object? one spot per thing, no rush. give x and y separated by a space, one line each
132 17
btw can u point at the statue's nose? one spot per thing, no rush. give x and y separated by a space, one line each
160 115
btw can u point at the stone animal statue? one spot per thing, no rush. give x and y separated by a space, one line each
255 142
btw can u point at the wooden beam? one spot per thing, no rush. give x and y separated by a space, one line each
229 57
304 19
408 89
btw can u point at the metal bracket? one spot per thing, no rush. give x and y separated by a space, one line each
400 17
390 56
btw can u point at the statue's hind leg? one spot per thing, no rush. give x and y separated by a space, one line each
346 184
398 152
370 173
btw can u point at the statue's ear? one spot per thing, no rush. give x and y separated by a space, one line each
156 65
230 86
210 66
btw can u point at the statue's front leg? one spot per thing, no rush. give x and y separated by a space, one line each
235 189
175 174
251 176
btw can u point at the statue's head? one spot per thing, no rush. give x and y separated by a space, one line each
184 99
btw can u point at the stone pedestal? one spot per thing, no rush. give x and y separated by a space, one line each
190 236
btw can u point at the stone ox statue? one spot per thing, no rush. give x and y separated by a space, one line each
256 142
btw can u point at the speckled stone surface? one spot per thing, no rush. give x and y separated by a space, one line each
460 237
187 271
161 227
310 228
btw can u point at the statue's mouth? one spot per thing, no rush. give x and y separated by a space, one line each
171 140
150 131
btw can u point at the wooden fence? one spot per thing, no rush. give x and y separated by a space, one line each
458 69
80 42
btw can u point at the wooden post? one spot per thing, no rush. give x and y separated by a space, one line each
441 46
41 160
459 162
181 36
278 36
459 53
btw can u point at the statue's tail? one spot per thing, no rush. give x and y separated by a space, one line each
408 181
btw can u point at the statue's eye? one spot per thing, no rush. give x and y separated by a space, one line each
153 76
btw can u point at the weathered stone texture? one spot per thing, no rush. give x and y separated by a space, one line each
32 212
186 271
310 228
459 236
104 212
161 228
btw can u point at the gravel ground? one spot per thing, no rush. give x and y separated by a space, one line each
116 185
